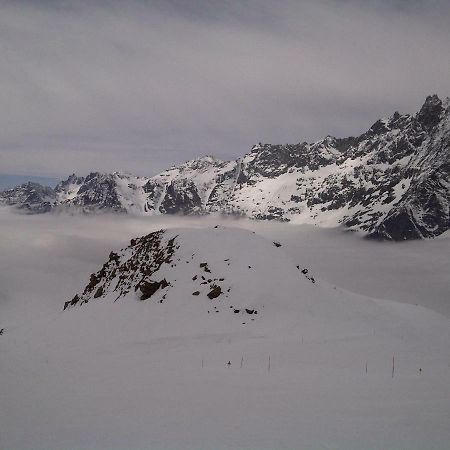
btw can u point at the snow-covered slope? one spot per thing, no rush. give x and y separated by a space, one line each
391 182
131 364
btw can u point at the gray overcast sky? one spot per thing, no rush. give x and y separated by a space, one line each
138 86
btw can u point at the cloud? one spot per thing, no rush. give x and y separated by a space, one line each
138 86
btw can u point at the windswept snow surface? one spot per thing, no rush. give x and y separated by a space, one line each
147 375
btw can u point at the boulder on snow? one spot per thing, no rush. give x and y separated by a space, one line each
215 292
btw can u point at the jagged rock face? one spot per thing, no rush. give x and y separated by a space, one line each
424 212
69 188
30 197
98 191
424 209
187 189
181 197
431 112
132 269
391 182
273 160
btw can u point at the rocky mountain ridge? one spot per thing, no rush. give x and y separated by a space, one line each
391 182
191 270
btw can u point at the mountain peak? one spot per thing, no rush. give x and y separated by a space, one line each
430 113
432 99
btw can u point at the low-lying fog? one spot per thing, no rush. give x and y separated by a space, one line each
52 256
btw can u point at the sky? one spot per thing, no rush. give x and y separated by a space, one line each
138 86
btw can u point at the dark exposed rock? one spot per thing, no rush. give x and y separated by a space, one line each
93 280
214 292
430 113
205 267
181 197
273 213
424 211
72 302
399 226
125 271
148 288
96 193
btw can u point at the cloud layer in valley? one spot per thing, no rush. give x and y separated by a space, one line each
138 86
48 258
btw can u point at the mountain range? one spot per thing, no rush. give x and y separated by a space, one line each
391 182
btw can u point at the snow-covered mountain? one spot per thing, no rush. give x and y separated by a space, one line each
30 197
392 182
202 272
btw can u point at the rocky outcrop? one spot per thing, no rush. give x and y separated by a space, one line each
132 269
190 270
